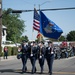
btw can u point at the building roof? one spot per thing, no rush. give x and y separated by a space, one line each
4 27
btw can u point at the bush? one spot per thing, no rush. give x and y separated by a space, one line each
2 54
1 51
14 50
11 51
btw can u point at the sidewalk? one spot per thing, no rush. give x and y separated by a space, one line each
9 58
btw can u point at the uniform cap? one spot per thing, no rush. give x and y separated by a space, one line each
34 42
24 41
49 42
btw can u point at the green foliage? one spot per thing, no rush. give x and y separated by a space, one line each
14 50
0 51
9 51
15 25
24 38
2 54
37 40
71 36
61 38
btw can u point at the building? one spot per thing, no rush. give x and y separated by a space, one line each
4 34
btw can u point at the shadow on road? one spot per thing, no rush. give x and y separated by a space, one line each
19 71
6 70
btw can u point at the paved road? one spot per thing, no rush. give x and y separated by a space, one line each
60 67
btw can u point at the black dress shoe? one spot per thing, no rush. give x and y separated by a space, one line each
22 72
26 69
50 74
35 70
32 72
41 72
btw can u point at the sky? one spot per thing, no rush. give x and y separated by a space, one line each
65 19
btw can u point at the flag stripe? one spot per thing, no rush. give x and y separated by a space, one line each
36 22
36 29
36 26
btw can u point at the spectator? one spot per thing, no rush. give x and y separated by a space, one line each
5 52
73 49
58 53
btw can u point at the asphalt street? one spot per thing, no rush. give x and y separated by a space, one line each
60 67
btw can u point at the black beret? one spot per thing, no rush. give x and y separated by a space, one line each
23 41
34 42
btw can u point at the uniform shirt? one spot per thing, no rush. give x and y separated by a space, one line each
34 51
24 49
49 50
29 50
41 51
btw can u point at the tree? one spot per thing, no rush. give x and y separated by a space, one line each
71 36
24 38
15 25
61 38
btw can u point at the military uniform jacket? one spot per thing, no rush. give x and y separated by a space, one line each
34 51
41 52
29 51
49 51
24 49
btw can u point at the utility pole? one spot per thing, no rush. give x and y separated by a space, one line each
0 26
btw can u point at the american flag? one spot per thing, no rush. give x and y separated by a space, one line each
36 21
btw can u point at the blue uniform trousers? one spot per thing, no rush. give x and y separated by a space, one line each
41 63
24 61
50 59
33 61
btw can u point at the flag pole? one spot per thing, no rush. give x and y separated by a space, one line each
39 32
32 27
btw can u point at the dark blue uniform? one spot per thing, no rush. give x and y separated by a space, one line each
49 58
41 57
29 50
24 57
33 58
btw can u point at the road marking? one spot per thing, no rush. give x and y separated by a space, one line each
64 73
73 73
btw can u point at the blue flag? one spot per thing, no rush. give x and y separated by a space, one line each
48 28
